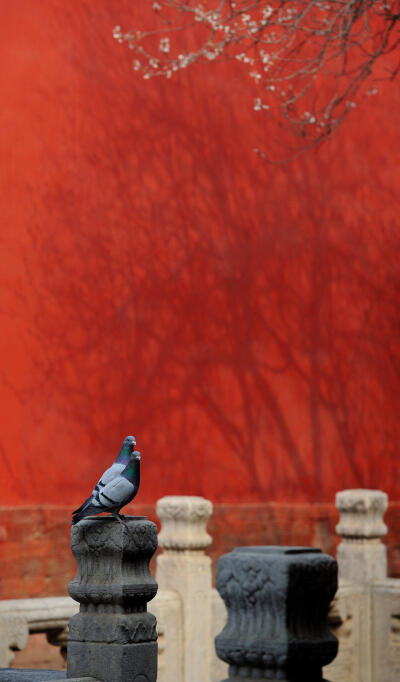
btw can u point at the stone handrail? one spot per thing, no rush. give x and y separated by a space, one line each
21 617
41 615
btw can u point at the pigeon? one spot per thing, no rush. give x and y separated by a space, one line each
115 494
112 472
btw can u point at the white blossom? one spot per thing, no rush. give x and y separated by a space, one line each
164 45
267 11
258 104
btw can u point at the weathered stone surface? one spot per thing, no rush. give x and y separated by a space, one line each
113 637
113 562
361 554
168 609
14 634
183 567
361 513
114 662
19 675
386 631
184 521
34 675
131 628
277 600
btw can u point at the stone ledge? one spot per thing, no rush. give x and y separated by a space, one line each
31 675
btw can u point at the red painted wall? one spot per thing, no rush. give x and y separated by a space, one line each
157 277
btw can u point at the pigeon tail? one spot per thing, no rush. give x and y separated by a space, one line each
82 507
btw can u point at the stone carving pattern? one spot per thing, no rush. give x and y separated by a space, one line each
100 541
361 514
183 523
113 636
180 509
277 610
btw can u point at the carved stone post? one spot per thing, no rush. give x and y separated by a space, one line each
113 638
185 568
277 600
361 554
362 560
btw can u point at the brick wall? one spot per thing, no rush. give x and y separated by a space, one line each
36 560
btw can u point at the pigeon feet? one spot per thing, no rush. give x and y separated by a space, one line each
120 518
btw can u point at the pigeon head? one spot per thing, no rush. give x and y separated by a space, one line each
126 450
129 442
136 455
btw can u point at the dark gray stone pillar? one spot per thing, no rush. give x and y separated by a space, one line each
113 638
277 600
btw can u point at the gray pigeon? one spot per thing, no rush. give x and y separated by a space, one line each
115 494
112 472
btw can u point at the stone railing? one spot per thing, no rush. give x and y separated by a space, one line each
21 617
364 615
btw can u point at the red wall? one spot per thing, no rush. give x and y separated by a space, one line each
157 277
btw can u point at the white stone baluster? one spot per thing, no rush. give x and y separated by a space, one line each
362 562
361 554
185 568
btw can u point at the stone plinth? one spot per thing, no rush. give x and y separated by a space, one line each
361 554
113 638
277 600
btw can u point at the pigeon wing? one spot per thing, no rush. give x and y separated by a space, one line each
116 494
112 472
111 498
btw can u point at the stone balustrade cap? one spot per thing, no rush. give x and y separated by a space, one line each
184 521
361 500
188 508
361 513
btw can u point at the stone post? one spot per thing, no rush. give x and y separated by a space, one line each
362 560
277 600
113 638
185 568
361 554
